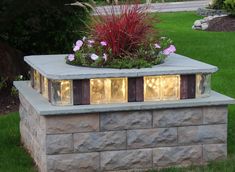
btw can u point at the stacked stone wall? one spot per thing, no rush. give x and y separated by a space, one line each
124 141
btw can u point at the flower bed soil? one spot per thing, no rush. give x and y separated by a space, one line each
222 24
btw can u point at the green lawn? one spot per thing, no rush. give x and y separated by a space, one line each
13 158
214 48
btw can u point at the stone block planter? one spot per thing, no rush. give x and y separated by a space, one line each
135 134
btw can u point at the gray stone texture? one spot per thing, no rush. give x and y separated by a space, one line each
72 123
125 120
202 134
177 117
213 152
176 156
86 162
35 147
151 137
99 141
124 141
126 159
60 143
215 115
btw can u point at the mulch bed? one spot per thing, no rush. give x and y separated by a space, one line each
222 24
8 103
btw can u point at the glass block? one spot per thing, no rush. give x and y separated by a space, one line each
44 87
118 90
108 90
61 91
36 78
161 87
97 91
152 88
170 87
203 85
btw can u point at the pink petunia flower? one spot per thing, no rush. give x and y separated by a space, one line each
91 41
71 57
76 48
169 50
157 45
94 57
103 43
78 45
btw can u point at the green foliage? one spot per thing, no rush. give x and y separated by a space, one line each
13 158
3 83
41 26
146 56
217 4
229 5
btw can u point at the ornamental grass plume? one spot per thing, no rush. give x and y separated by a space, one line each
125 32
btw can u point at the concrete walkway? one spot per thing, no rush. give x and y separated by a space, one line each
161 7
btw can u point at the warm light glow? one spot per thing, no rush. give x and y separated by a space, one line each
62 92
44 87
162 87
108 90
203 85
36 78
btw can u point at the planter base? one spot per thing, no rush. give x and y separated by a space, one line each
133 140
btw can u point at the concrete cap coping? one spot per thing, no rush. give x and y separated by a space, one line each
54 67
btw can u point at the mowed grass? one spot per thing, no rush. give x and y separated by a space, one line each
214 48
13 158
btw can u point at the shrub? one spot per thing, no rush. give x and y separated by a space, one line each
217 4
41 26
229 5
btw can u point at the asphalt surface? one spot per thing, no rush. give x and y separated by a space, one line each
158 7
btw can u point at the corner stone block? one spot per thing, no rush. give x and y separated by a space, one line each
126 159
151 137
215 115
24 102
177 117
99 141
22 112
72 123
202 134
57 144
126 120
182 155
87 162
213 152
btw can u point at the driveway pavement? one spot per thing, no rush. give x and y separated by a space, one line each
161 7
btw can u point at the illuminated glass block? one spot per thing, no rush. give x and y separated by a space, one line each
36 79
61 92
108 90
118 90
44 86
152 88
161 87
170 87
97 91
203 85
